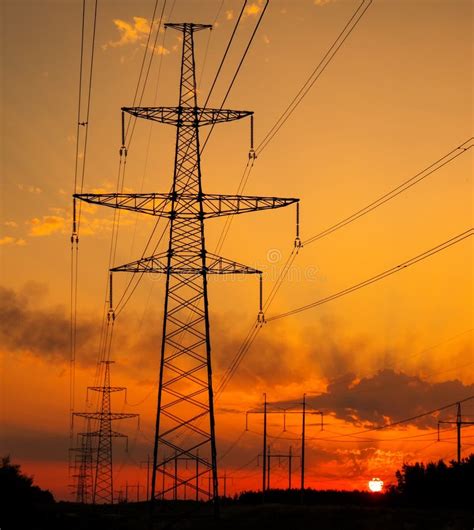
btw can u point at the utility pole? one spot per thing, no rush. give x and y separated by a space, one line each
459 423
132 486
290 457
264 477
224 478
185 408
103 479
287 456
186 482
286 411
303 433
147 462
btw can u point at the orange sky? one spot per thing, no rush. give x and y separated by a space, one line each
397 97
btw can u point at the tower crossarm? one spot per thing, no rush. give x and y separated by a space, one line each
109 416
157 264
184 205
108 388
187 116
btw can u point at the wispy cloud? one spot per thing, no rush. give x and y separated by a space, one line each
321 3
130 32
30 189
135 32
47 225
25 327
11 224
159 49
12 241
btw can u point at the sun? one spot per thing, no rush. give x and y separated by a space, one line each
375 485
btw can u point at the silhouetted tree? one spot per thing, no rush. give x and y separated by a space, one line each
437 483
19 498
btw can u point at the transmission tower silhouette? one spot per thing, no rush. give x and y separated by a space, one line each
103 491
83 461
185 425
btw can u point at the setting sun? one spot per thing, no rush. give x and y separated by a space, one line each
375 485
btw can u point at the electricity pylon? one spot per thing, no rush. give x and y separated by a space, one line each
103 491
83 467
185 413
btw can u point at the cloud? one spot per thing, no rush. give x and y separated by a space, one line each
159 50
253 9
27 327
30 189
12 241
321 3
47 225
387 397
60 220
266 39
229 15
11 224
130 33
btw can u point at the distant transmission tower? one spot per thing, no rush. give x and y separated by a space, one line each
185 414
102 491
83 462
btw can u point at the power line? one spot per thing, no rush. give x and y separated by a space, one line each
133 119
289 110
255 328
86 122
407 184
74 269
226 50
322 65
412 261
145 52
237 70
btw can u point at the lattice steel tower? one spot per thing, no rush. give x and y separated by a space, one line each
185 414
103 490
83 462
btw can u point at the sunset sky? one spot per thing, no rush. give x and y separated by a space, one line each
396 98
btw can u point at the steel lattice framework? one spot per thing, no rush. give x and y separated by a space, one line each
103 490
83 462
185 413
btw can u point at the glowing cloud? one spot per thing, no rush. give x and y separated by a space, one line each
12 241
47 225
130 33
159 50
252 9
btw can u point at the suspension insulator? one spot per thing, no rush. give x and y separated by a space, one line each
298 243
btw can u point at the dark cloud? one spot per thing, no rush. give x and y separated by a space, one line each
26 326
29 325
387 396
